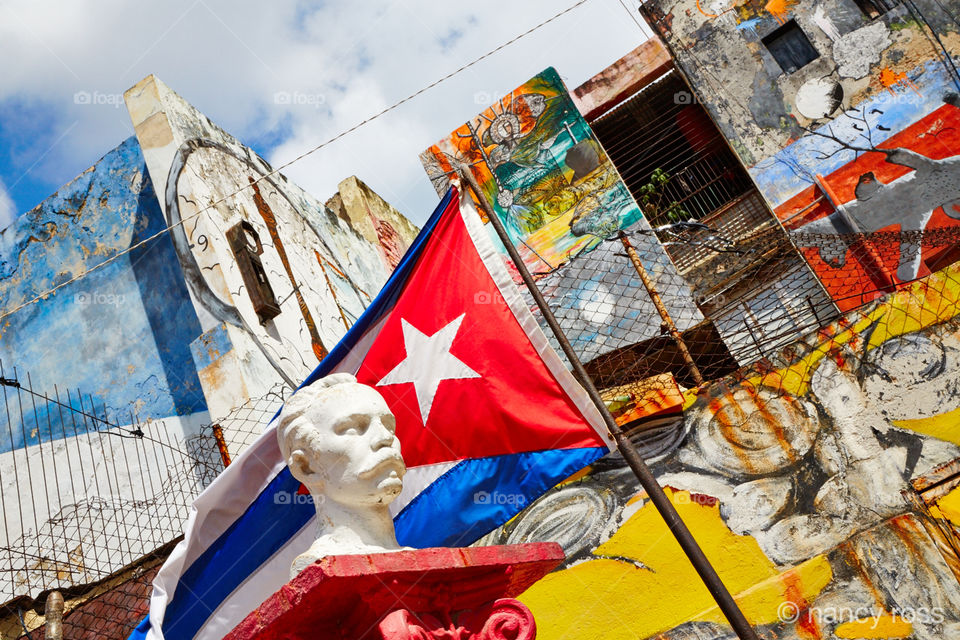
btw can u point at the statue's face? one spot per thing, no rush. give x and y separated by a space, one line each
354 447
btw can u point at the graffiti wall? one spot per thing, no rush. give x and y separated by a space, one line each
543 171
821 486
845 113
243 283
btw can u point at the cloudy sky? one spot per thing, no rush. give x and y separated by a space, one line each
283 77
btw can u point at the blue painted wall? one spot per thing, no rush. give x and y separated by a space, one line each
121 334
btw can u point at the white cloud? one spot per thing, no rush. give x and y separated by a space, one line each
344 60
8 210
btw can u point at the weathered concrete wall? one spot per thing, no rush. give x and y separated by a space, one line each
163 339
323 268
805 480
121 336
812 133
622 79
376 219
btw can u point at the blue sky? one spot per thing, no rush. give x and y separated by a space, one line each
337 62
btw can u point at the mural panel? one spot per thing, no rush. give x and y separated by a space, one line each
545 174
802 482
542 170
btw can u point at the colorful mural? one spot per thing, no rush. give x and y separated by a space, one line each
805 481
546 176
902 193
542 170
846 115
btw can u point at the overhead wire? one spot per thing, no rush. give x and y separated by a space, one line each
298 158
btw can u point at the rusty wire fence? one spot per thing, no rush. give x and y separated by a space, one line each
83 496
88 505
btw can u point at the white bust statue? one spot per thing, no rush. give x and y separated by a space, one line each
337 436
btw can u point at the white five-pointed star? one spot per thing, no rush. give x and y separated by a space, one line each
428 363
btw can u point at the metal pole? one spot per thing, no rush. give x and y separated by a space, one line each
221 444
647 480
651 288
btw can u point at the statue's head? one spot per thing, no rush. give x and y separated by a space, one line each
337 436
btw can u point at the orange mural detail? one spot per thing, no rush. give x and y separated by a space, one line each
780 9
890 79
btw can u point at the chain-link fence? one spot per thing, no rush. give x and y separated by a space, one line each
91 512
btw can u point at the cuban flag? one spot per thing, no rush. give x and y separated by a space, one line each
488 419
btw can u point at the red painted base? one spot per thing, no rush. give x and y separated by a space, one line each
453 594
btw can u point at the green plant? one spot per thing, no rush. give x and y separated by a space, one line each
652 200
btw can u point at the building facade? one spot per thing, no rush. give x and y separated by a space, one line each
213 283
845 114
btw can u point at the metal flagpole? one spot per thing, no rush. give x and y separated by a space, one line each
647 480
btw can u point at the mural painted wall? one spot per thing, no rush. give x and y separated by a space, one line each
822 486
163 340
141 298
322 267
559 196
120 337
845 113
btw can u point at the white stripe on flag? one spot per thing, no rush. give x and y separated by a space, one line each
418 479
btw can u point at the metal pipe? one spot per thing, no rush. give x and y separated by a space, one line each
651 288
221 444
53 617
647 480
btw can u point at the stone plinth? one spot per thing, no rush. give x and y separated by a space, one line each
429 593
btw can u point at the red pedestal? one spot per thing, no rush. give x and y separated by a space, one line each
452 594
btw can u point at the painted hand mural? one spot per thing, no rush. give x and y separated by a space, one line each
913 188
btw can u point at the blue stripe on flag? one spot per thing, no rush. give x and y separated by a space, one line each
480 494
140 633
249 542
